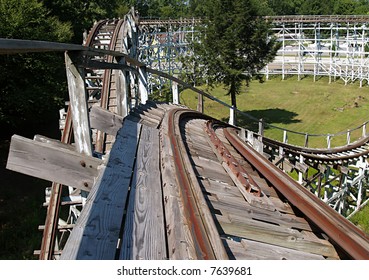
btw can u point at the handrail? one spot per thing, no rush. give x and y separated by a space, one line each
13 46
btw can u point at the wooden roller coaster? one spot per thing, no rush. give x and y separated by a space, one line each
137 179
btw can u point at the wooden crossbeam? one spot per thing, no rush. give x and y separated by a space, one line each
105 120
54 162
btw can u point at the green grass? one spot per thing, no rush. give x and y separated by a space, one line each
361 219
304 106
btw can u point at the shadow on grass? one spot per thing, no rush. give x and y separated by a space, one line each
274 116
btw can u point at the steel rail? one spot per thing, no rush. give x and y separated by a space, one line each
345 234
202 244
107 84
53 209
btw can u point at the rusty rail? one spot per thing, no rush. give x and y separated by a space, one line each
203 244
346 235
240 173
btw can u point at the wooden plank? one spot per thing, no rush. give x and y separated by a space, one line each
230 201
105 120
122 92
144 229
96 233
271 234
252 250
78 105
53 142
53 162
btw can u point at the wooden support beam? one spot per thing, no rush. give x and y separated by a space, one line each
175 92
122 85
142 84
105 120
56 163
78 104
96 233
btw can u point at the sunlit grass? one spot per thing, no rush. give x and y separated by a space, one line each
304 106
361 219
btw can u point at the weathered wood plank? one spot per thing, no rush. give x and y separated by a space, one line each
274 235
78 105
230 200
96 233
105 120
144 229
122 91
252 250
53 162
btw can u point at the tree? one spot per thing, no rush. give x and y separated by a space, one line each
235 43
284 7
81 14
32 86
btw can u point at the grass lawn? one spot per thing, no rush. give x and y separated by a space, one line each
304 106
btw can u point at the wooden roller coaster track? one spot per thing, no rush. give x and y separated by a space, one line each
160 181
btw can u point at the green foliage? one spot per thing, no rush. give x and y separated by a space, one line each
361 219
31 85
234 43
318 7
81 14
158 8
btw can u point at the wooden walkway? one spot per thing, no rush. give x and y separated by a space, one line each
144 205
135 209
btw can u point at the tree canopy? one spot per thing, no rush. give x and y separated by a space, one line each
235 43
30 83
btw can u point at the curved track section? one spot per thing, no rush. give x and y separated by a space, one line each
304 225
336 155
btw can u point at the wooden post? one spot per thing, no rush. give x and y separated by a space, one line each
78 105
122 91
285 137
260 148
175 93
300 173
232 117
329 137
243 134
200 104
142 84
364 129
348 137
261 128
306 140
